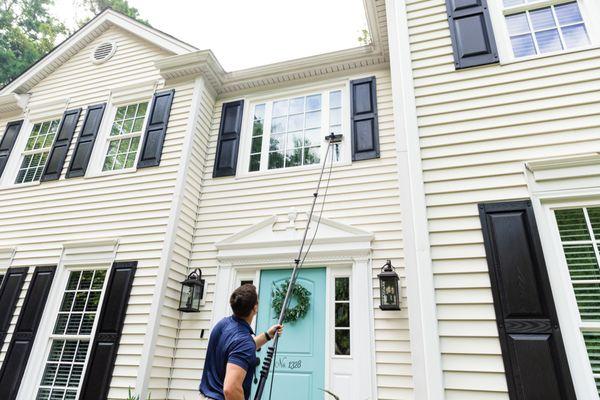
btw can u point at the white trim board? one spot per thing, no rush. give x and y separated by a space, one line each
422 310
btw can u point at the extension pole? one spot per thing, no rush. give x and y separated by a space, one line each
264 372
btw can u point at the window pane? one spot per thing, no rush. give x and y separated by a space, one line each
256 144
296 122
279 125
523 45
259 112
312 137
542 19
280 108
588 300
275 160
342 342
594 215
313 102
572 225
342 315
342 289
297 105
575 36
254 162
335 99
313 119
294 140
581 260
568 13
293 158
512 3
592 343
548 41
277 142
517 24
312 155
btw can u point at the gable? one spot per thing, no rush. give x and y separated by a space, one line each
133 61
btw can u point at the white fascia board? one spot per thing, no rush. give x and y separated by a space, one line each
91 30
422 310
11 102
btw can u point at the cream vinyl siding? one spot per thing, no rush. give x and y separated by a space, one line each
477 127
364 194
133 207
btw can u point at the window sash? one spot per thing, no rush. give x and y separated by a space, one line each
23 174
267 130
110 138
79 338
589 328
340 328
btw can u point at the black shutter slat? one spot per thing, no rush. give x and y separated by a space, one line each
56 158
85 142
229 139
530 337
473 41
108 334
10 290
23 337
156 129
364 123
8 141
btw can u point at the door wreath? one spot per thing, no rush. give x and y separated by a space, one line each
302 296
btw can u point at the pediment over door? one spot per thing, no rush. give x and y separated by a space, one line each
278 238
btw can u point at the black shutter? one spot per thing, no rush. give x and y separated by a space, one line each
108 334
365 126
85 143
229 139
9 295
19 349
471 31
8 141
56 159
156 130
532 347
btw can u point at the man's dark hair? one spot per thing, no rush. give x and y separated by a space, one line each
243 300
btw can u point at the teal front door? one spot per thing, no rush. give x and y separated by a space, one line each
300 363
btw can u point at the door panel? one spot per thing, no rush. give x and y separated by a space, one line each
300 363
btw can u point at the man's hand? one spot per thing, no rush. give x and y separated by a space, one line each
234 378
275 328
261 339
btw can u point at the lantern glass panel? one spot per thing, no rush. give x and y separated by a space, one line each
197 296
390 291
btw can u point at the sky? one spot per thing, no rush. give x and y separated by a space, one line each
249 33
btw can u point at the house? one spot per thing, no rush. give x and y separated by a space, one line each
496 106
469 159
130 159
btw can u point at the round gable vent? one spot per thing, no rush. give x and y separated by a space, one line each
103 52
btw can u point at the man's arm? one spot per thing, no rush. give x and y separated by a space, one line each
234 378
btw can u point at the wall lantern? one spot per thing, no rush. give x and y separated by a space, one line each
192 290
388 285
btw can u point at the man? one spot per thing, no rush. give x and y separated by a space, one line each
231 354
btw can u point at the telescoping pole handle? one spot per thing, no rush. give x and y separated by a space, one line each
268 360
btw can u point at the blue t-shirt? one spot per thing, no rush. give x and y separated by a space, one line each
231 341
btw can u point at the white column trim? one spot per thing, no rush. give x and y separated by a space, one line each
422 311
147 355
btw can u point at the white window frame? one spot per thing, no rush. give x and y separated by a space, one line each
37 362
563 293
271 97
335 274
588 9
103 140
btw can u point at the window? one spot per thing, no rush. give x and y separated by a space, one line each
342 316
538 29
71 336
579 230
124 138
290 132
37 150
